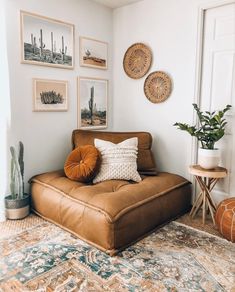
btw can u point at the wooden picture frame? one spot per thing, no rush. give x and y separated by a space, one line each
92 94
93 53
50 95
46 41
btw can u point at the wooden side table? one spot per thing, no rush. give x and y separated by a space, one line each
207 179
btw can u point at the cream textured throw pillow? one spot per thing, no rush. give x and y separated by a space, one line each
118 160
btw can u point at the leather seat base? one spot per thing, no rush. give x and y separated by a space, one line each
113 214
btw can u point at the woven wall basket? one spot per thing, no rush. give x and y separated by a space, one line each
137 60
157 86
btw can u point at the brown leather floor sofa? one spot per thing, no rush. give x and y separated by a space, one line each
115 213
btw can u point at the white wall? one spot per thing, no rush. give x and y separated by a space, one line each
47 135
4 112
169 27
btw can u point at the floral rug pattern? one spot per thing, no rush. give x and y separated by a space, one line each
174 258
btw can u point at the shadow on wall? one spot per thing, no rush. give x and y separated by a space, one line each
5 112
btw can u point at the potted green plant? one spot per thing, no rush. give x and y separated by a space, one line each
17 203
210 129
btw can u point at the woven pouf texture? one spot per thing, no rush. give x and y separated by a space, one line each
225 218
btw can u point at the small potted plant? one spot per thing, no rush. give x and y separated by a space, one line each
17 203
210 129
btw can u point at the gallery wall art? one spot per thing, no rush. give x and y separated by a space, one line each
50 95
46 41
93 53
92 103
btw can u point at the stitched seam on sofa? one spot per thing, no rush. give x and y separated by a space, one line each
124 211
75 200
110 251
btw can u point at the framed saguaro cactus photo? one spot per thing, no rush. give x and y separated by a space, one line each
92 103
46 41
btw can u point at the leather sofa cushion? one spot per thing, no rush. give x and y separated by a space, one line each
112 214
112 197
145 159
83 163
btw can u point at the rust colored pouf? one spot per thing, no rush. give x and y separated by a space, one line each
225 218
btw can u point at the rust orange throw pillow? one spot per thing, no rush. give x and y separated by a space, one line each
83 163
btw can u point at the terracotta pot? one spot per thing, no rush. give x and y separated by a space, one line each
208 158
17 208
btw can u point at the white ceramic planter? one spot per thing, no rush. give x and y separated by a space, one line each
208 158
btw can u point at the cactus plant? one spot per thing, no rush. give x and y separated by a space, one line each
63 50
17 203
17 172
42 45
33 43
91 104
51 97
52 47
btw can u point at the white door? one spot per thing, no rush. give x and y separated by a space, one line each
218 85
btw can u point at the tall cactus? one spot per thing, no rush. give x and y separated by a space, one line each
17 172
63 50
42 45
52 46
33 43
13 183
21 161
55 46
91 104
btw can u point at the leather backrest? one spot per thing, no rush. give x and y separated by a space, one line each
145 160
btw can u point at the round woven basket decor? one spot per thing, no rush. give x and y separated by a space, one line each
137 60
157 86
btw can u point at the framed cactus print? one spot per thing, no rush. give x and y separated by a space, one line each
46 41
92 103
50 95
93 53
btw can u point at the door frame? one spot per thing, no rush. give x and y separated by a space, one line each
198 70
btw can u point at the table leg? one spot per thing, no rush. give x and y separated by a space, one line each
204 207
206 201
198 206
211 211
195 204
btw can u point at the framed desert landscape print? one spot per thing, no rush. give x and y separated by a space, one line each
46 41
93 53
50 95
92 103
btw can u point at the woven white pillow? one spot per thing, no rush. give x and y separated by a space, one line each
118 160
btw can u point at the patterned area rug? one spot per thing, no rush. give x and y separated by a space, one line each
174 258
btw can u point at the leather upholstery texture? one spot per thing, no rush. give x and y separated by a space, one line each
145 159
115 213
112 214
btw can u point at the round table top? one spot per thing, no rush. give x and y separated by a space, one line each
218 172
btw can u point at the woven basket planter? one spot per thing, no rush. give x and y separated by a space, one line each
17 208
